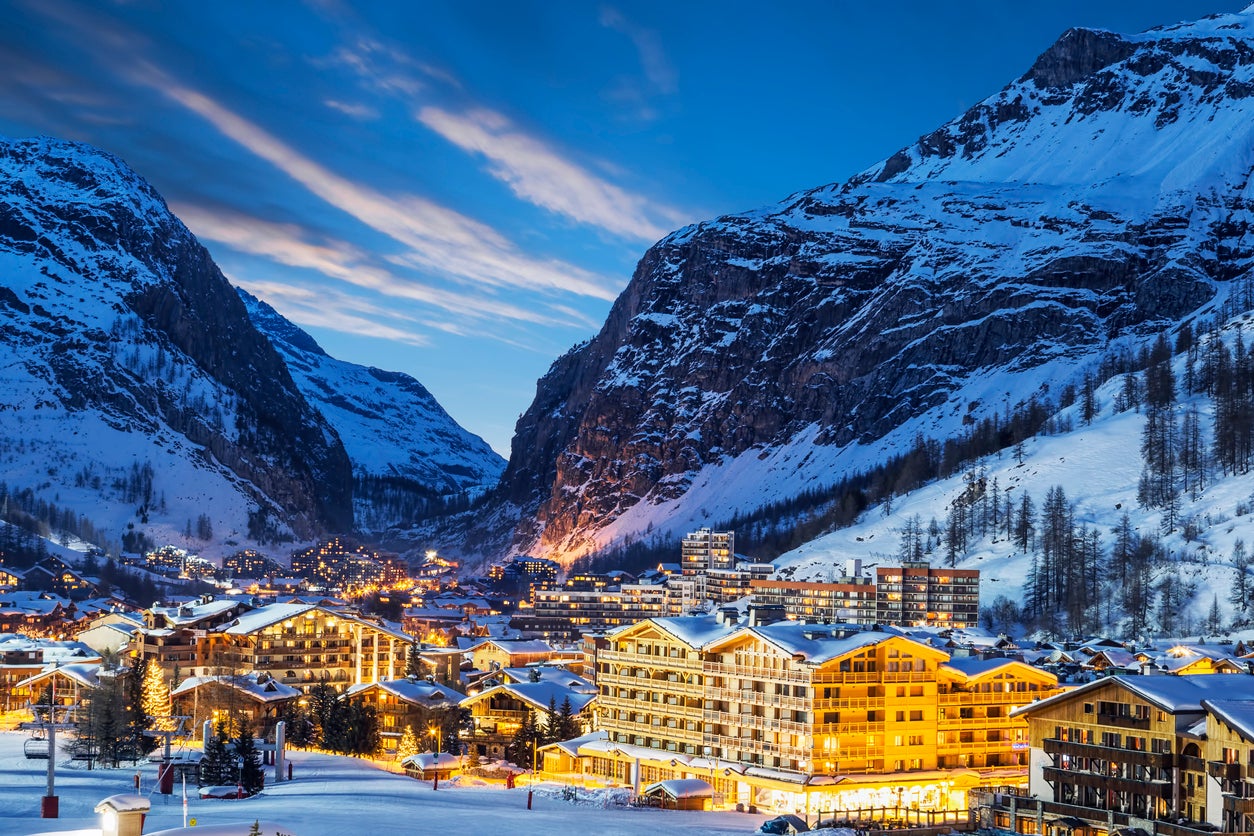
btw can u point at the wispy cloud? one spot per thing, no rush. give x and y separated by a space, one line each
657 68
320 308
293 246
438 239
538 174
353 110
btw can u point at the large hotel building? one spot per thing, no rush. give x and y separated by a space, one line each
796 716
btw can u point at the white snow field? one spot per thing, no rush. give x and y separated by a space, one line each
332 795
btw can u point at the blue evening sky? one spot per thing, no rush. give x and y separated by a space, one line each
459 190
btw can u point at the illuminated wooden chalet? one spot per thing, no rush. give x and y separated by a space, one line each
1160 753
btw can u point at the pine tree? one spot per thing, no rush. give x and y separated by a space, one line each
1025 523
138 718
1239 597
567 724
520 750
1214 621
217 767
413 662
250 774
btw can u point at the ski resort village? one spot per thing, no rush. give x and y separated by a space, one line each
918 501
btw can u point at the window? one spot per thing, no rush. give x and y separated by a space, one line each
916 716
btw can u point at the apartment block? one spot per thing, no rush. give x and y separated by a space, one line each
916 594
851 600
703 550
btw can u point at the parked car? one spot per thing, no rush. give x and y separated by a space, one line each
783 825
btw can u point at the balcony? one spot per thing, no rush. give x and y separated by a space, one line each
1137 757
1233 804
1124 721
1224 771
1157 789
1190 763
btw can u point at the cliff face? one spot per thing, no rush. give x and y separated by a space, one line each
1103 195
124 345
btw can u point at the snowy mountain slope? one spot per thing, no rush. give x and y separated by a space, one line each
137 392
390 425
1100 197
1098 467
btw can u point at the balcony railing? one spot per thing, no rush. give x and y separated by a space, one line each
1122 720
1224 771
1137 757
1157 789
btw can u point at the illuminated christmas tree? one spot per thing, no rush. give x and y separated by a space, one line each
408 745
155 695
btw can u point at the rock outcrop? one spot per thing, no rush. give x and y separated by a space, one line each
1099 197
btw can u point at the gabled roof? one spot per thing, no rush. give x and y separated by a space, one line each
538 695
696 631
516 645
86 674
1115 658
413 691
195 612
1239 714
271 690
681 788
262 617
571 747
1174 694
547 673
974 668
818 644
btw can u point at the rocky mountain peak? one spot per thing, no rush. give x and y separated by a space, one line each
1077 55
754 356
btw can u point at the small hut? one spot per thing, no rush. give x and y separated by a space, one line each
427 766
681 794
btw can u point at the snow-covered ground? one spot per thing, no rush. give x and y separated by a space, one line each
336 795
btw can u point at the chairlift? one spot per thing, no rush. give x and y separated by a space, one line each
36 746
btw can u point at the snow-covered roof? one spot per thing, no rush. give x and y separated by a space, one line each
692 630
816 644
262 617
1239 714
195 611
413 691
271 690
539 695
125 803
547 673
1175 694
86 674
571 747
517 645
428 760
681 788
973 667
1115 657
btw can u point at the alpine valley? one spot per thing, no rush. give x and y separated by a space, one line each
1036 306
146 398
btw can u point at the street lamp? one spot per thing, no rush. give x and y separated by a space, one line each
438 733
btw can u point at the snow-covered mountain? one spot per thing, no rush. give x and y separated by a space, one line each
1100 198
391 426
139 396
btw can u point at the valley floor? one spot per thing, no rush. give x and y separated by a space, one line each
339 795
